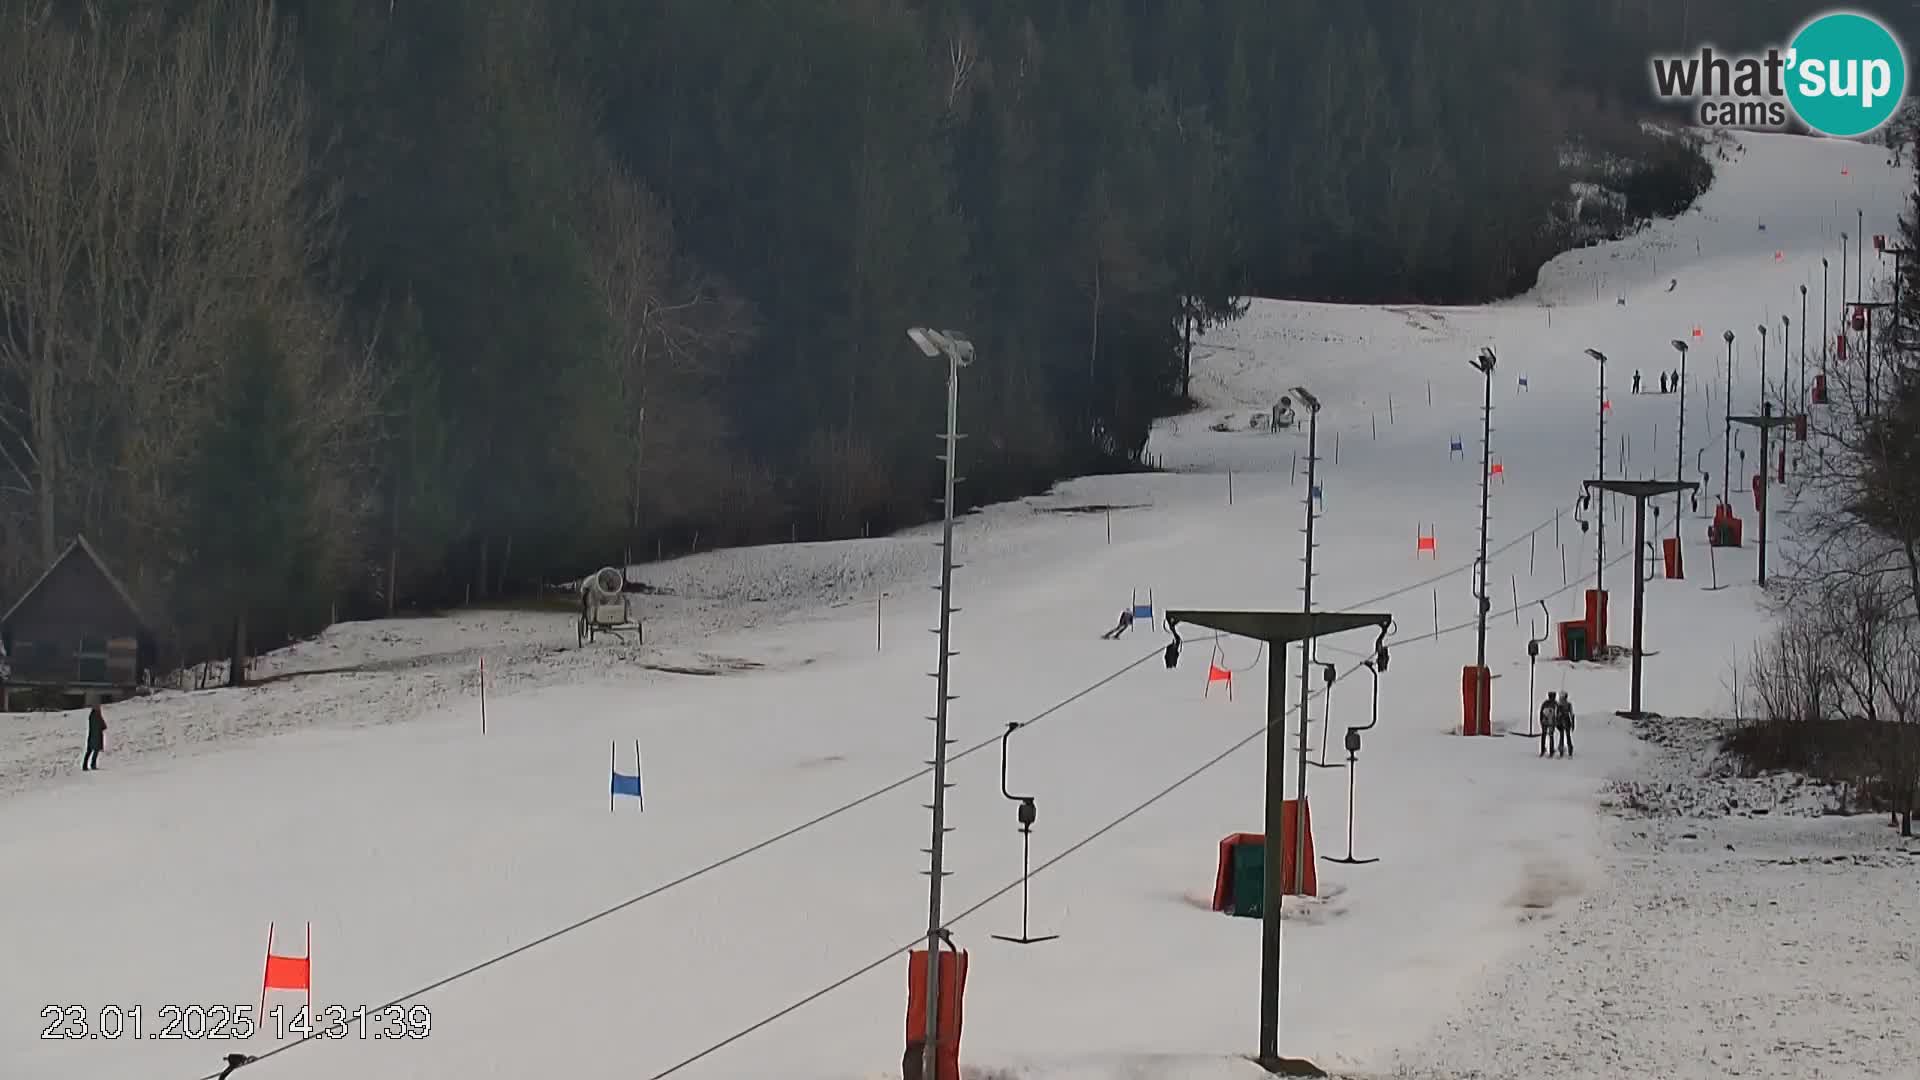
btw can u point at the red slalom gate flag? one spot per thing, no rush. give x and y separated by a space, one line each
288 972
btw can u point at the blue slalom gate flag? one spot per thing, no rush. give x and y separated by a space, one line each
1143 610
625 783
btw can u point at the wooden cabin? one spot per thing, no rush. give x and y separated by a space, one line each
75 637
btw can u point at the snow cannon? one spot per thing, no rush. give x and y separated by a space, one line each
603 604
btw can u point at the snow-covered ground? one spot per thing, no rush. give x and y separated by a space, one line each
1722 943
786 685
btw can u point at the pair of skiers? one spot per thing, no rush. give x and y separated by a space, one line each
1556 726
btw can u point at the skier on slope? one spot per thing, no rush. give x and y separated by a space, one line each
1565 748
96 740
1125 624
1549 718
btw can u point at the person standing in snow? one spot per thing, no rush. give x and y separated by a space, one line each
1565 747
1549 719
1636 382
96 740
1663 382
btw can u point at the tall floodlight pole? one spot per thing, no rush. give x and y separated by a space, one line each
1680 451
1726 442
1763 361
1803 347
1306 661
1766 422
1786 338
1484 364
1843 273
1600 514
1278 629
1860 251
1639 491
958 352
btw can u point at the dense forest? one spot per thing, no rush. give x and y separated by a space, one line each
355 305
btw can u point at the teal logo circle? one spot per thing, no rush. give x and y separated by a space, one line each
1847 74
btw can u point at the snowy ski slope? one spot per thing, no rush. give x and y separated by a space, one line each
419 850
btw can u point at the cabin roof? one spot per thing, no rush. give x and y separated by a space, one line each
81 546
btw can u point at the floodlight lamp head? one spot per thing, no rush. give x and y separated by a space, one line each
1597 355
926 340
1486 361
1763 329
937 343
1729 336
1803 290
1679 346
1306 398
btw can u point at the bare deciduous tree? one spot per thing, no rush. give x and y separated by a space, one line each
675 330
1848 654
59 91
157 191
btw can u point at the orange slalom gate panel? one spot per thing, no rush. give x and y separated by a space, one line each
1223 873
1476 701
1293 811
953 989
1574 640
1596 621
